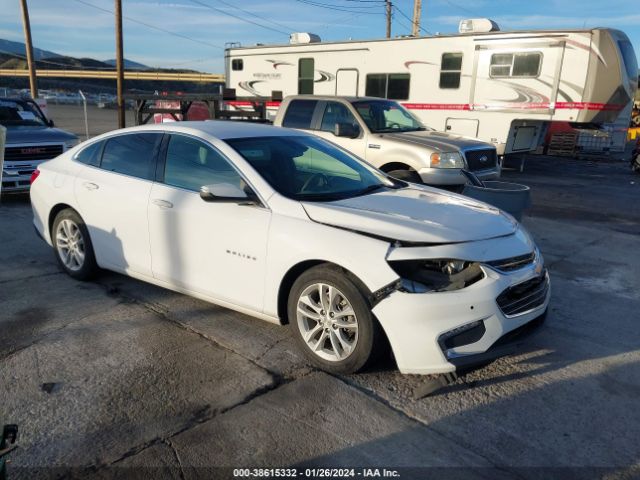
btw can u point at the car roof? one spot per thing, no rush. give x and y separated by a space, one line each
222 129
346 98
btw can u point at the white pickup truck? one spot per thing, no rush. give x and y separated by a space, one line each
385 134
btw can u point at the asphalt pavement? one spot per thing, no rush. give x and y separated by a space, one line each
115 377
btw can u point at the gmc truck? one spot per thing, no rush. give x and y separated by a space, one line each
390 138
31 139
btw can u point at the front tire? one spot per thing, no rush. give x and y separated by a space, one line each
332 321
406 175
72 245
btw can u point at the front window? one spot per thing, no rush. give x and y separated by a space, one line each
191 164
383 116
336 113
309 168
19 114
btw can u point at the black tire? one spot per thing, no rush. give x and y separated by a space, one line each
370 340
406 175
88 267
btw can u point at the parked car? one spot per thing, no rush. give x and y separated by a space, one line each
31 139
289 228
391 138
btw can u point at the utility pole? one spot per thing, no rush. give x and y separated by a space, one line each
29 48
388 8
119 64
417 13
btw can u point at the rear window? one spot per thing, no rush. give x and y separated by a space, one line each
299 114
90 155
131 154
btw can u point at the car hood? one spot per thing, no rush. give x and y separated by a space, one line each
415 215
444 142
25 134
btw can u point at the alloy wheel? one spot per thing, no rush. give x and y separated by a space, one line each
70 245
327 322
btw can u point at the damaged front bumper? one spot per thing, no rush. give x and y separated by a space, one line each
446 331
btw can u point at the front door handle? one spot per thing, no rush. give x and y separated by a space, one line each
162 203
90 186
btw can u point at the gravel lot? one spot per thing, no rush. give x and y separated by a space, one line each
116 377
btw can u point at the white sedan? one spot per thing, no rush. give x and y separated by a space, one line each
289 228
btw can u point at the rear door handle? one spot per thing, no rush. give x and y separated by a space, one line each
162 203
90 186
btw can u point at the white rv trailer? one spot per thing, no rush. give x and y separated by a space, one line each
502 87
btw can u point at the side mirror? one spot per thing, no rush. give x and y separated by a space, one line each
226 192
347 130
51 124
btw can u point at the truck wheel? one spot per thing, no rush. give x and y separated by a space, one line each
406 175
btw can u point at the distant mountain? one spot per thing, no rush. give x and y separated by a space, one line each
17 48
128 64
10 48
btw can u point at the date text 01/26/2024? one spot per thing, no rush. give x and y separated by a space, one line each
315 473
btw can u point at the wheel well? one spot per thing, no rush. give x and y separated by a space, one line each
54 212
294 272
389 167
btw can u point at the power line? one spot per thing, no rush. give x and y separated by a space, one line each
410 20
337 8
256 15
154 27
202 4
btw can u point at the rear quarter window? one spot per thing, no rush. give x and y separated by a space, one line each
299 114
90 155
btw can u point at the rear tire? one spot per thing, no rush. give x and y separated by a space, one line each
406 175
332 321
72 245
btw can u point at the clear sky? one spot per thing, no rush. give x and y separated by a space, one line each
193 33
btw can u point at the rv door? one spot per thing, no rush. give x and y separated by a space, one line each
347 82
521 78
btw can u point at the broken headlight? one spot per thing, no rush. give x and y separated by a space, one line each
441 275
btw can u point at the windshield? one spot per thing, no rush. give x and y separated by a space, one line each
14 114
310 168
628 58
386 116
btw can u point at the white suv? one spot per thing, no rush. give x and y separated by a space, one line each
289 228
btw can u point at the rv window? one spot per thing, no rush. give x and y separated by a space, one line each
299 114
376 85
526 65
450 70
237 64
305 75
398 86
515 64
394 86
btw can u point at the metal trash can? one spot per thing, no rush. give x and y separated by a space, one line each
513 198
